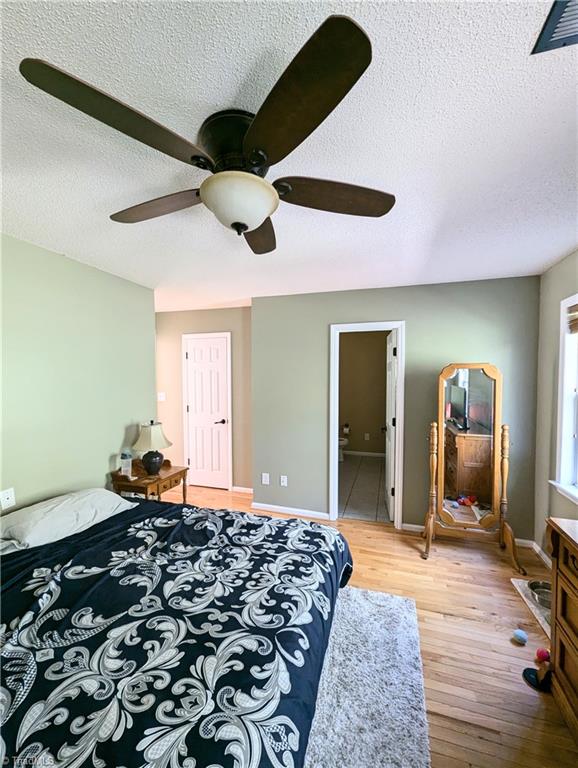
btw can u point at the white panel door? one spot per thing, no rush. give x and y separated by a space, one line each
390 423
207 402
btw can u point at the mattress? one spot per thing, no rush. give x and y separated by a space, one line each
168 636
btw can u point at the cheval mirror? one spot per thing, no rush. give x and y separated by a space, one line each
469 459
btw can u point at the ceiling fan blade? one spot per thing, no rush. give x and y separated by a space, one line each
333 196
108 110
160 206
318 78
262 239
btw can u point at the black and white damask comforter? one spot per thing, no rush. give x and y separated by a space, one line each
168 636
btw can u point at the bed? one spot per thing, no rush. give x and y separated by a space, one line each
168 636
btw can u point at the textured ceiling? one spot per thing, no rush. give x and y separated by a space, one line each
475 137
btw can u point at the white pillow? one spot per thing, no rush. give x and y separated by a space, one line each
10 545
61 516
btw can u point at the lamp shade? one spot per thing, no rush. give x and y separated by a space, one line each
151 438
237 197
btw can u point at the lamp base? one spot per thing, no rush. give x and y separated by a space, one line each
152 461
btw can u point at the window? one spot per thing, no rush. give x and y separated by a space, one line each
567 453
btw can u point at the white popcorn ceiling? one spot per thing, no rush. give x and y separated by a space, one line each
475 137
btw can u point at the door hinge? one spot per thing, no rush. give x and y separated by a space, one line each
395 351
393 491
187 408
188 462
186 355
392 421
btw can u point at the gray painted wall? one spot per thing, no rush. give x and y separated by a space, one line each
78 370
170 329
556 284
492 321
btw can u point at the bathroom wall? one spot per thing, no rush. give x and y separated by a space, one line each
362 378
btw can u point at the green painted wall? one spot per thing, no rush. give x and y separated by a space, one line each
559 282
78 370
494 321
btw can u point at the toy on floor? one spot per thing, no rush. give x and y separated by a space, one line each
467 501
519 636
539 679
542 654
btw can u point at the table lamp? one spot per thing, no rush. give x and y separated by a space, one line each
151 438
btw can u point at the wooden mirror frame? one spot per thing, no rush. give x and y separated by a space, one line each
503 532
492 520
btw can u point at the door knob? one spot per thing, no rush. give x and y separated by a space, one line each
222 421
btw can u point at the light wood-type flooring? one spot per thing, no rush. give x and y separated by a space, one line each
480 711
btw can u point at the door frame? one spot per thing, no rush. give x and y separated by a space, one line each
187 337
335 331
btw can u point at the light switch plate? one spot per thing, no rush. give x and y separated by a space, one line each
366 436
264 478
161 397
7 499
283 480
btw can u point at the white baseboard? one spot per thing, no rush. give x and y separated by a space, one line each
364 453
292 511
241 489
542 555
530 544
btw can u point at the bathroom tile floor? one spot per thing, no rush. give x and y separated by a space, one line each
361 488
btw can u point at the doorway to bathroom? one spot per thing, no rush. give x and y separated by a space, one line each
366 421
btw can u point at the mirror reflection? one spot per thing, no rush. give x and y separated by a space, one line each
468 448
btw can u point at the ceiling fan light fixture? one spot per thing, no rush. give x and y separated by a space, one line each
240 201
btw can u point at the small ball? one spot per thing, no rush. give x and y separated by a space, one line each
542 654
520 637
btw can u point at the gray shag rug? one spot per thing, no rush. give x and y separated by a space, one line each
371 703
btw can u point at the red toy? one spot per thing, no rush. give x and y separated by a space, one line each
542 654
467 501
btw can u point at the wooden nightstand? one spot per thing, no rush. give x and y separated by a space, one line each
151 485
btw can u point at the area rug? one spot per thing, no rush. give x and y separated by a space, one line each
371 703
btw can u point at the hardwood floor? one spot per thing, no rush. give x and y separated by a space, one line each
480 711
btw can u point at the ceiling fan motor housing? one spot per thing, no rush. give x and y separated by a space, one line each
221 136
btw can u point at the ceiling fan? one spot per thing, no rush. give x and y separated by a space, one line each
238 147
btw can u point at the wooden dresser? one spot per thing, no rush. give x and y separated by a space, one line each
564 540
468 463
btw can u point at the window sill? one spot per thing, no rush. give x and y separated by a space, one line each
568 491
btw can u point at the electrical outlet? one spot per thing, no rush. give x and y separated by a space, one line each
7 499
366 436
283 480
161 397
264 478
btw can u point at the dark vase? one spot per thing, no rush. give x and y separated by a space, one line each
152 462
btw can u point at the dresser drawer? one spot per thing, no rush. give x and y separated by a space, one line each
564 538
568 561
567 608
164 485
566 667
